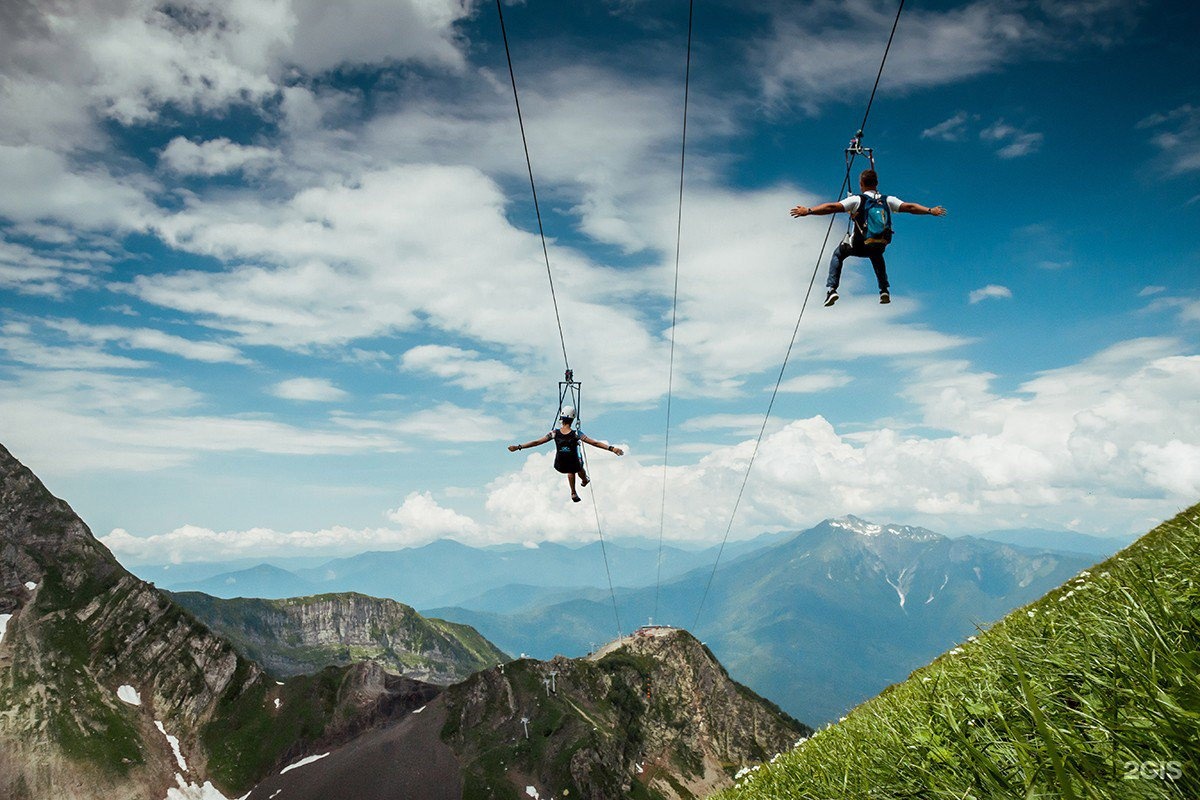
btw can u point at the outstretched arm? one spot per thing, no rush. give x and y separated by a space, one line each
512 448
917 208
583 437
820 211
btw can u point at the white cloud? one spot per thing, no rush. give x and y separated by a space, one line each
214 157
1177 137
317 390
420 520
445 422
991 291
150 339
423 520
41 185
953 129
1086 443
815 382
1151 290
79 422
460 367
1016 142
829 49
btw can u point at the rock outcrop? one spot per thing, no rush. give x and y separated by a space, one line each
651 715
304 634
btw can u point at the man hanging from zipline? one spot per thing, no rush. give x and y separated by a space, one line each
566 449
871 213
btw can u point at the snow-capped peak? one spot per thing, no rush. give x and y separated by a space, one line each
861 527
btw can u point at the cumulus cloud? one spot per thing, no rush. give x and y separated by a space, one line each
991 291
317 390
1084 442
214 157
465 368
418 520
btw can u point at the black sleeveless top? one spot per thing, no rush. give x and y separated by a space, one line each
566 451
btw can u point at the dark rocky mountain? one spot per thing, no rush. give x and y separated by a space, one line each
305 634
110 690
849 605
652 716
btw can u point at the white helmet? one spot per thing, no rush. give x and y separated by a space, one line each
568 412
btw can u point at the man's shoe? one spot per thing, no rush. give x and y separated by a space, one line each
885 298
831 297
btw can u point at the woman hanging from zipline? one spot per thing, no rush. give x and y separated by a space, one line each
567 458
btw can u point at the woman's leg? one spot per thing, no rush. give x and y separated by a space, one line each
571 483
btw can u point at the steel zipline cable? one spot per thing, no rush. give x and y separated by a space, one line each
791 344
553 296
532 186
662 511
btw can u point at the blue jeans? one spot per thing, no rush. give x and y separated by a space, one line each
875 254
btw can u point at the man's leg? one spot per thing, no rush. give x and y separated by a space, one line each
835 272
880 267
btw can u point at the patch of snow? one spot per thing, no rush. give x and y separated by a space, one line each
30 585
128 694
275 794
419 710
278 703
899 582
4 618
279 683
978 573
193 791
532 792
171 740
302 762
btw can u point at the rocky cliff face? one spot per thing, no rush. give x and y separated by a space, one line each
110 690
301 635
653 715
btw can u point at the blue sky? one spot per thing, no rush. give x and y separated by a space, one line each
271 284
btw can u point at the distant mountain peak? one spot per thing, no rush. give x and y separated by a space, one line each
862 527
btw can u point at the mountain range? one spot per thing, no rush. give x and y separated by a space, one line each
819 622
111 689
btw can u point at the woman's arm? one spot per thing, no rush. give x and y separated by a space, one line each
583 437
512 448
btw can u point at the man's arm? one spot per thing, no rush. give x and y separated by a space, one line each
917 208
820 211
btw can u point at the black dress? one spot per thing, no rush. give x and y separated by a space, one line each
566 451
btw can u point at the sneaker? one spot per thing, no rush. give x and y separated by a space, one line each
831 297
885 298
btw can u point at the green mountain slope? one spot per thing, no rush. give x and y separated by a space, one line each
1093 691
305 634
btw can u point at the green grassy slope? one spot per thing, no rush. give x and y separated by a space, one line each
1091 692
